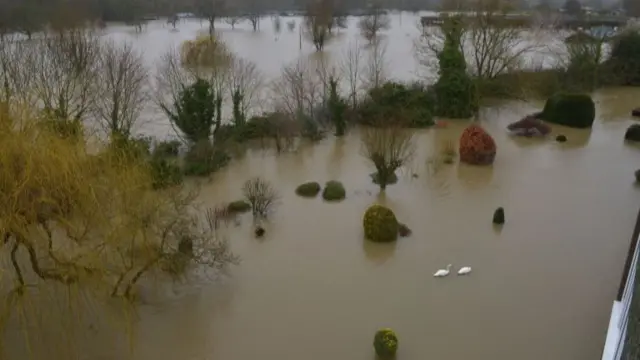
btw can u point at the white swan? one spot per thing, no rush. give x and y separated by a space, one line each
464 270
442 272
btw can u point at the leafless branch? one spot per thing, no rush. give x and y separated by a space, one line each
122 83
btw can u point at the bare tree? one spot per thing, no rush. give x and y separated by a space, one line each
388 148
16 72
122 81
318 17
210 10
299 95
262 196
245 84
233 21
492 43
375 21
375 70
351 70
253 11
65 74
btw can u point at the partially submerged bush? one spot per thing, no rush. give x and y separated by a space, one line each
334 191
375 178
167 149
238 206
261 196
204 159
498 216
165 173
477 147
572 110
411 105
309 189
380 224
632 133
388 149
385 343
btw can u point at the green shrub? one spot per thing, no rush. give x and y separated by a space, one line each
376 179
412 105
239 206
625 57
334 191
203 159
573 110
165 173
385 342
166 149
309 189
380 224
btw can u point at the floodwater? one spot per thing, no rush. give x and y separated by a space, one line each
541 287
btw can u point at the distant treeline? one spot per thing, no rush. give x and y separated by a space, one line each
31 15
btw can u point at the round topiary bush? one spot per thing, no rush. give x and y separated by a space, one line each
477 147
334 191
572 110
385 342
308 189
380 224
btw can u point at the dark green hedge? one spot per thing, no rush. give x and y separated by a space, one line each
572 110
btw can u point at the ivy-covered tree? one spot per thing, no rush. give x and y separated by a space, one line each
337 108
194 113
455 91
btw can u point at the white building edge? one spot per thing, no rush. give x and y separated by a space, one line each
616 334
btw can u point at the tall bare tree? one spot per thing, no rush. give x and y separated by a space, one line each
375 70
299 92
16 72
122 84
253 11
210 10
65 74
351 71
317 21
245 84
375 21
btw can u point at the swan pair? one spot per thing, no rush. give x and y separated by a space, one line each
444 272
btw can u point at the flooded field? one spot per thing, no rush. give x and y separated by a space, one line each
313 288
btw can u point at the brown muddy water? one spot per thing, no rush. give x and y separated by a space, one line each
313 288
